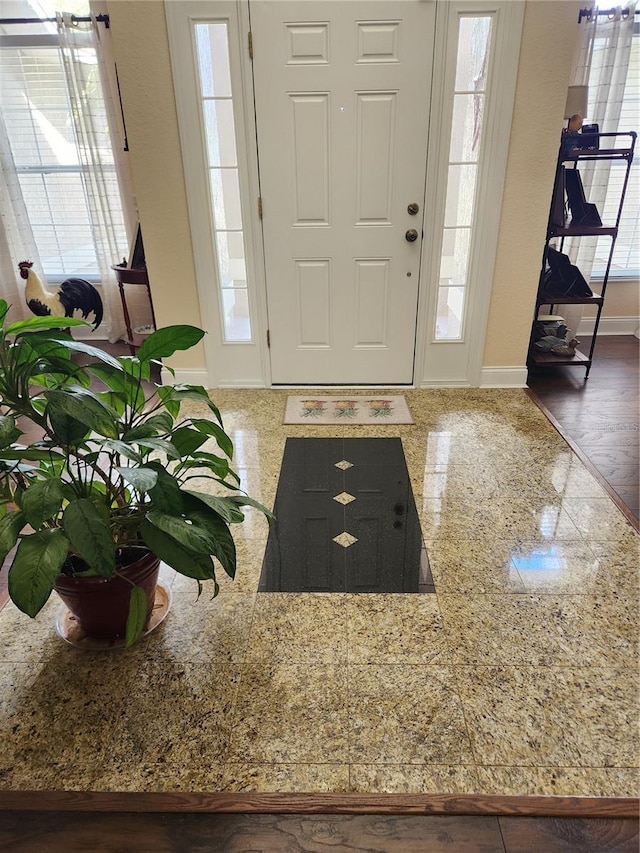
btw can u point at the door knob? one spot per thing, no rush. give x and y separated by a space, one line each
411 236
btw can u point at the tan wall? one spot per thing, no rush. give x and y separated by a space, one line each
622 299
144 70
548 39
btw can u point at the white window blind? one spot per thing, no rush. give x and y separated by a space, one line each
37 115
626 256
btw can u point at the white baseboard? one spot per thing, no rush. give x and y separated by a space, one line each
240 385
610 326
503 377
194 376
443 383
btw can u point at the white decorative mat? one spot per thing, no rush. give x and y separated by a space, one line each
389 409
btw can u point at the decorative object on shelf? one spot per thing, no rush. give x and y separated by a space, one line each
111 480
562 278
75 294
577 103
558 345
549 324
561 282
582 212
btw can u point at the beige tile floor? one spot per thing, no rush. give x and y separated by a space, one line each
520 676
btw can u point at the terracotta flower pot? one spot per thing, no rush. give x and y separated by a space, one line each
101 605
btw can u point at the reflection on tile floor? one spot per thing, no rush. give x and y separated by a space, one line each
519 676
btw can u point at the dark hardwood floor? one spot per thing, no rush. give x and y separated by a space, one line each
73 832
599 417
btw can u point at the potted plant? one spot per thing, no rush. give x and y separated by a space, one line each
116 481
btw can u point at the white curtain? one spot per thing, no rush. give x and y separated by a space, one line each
90 108
16 238
601 62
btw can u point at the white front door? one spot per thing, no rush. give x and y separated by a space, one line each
342 92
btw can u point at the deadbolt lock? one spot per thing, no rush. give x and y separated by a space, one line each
413 208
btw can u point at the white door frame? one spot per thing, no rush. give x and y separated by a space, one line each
459 363
248 365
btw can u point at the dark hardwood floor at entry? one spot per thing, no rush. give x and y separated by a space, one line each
600 416
72 832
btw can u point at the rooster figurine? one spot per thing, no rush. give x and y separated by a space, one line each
75 294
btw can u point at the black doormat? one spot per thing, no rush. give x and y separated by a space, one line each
346 520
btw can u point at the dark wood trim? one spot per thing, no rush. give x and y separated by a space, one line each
624 509
257 803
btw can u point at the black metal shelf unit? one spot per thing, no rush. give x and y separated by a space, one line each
561 225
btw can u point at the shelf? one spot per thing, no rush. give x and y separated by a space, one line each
572 300
128 275
573 194
546 359
599 154
582 231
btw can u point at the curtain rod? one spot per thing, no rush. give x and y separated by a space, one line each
610 13
104 19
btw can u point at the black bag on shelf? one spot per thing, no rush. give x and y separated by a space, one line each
558 214
582 212
562 278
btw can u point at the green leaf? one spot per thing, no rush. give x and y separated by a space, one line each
162 422
222 506
86 407
35 569
159 444
42 501
114 378
135 368
10 527
184 561
87 349
244 500
165 392
192 535
218 464
219 533
115 400
165 342
199 465
141 478
187 441
177 393
197 392
166 494
33 324
66 429
31 454
3 310
8 430
142 431
90 536
47 344
126 450
137 616
224 442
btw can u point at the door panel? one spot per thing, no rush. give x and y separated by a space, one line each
342 100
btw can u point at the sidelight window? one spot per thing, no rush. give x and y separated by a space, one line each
474 40
216 102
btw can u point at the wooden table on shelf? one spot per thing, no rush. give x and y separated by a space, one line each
126 275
